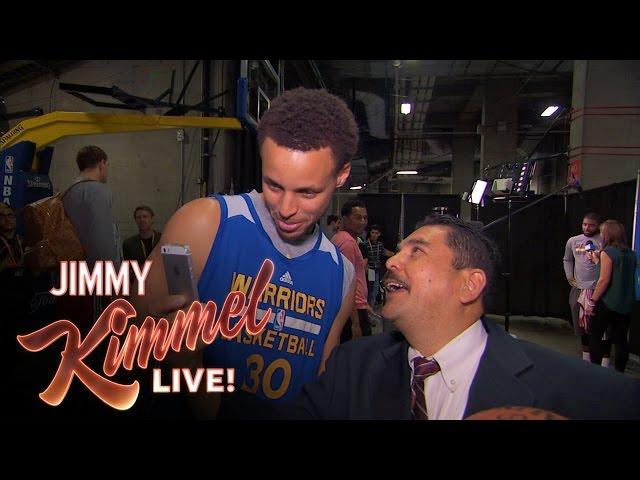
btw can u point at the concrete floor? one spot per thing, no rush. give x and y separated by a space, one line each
556 334
553 333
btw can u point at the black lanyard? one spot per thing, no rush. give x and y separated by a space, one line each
144 249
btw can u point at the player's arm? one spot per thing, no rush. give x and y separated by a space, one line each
195 225
344 314
568 262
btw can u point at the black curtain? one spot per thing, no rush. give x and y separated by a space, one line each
539 235
384 209
419 205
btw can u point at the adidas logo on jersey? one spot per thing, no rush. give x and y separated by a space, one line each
286 278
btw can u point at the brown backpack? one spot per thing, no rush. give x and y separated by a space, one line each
49 234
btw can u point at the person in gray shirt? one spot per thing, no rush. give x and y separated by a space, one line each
581 273
88 205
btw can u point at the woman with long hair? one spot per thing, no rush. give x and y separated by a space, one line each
614 294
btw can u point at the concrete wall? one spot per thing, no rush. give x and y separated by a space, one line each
462 174
499 122
606 83
145 168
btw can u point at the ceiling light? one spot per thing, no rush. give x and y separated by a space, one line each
549 111
407 172
405 108
357 187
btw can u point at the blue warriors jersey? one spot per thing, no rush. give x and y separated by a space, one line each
304 294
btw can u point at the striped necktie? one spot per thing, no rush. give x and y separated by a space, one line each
422 368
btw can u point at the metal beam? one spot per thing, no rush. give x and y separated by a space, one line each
316 72
48 128
34 112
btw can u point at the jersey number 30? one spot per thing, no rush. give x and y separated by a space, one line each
256 377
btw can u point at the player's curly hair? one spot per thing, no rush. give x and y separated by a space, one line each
303 119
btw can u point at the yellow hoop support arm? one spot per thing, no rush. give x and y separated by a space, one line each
48 128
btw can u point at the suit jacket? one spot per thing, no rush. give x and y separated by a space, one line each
369 379
132 248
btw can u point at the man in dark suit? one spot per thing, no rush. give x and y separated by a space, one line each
446 361
139 246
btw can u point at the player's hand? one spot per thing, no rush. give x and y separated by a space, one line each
203 405
590 308
168 308
573 282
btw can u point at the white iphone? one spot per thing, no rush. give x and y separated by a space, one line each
178 270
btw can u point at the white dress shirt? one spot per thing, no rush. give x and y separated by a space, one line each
447 391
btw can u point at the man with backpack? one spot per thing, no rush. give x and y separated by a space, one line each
88 206
88 203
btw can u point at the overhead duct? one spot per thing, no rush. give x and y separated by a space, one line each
375 109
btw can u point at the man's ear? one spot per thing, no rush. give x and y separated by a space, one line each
474 283
343 174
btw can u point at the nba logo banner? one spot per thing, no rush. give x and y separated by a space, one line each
8 164
278 323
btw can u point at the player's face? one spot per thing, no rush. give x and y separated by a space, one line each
297 186
589 227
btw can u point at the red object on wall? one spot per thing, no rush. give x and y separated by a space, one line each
573 173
